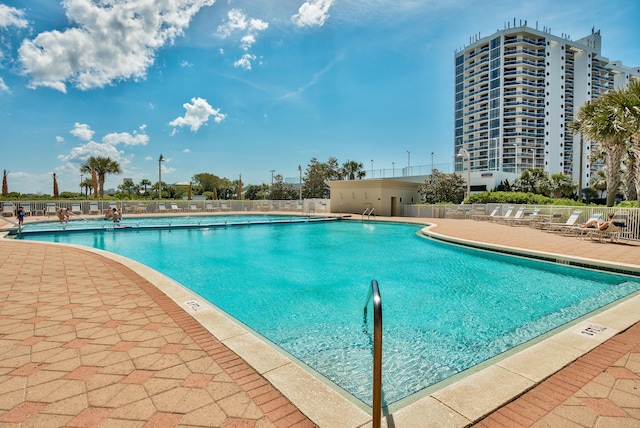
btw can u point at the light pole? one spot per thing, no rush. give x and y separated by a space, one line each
81 176
464 153
300 182
393 169
371 168
272 171
408 163
431 162
160 160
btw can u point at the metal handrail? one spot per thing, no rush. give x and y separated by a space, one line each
376 407
368 212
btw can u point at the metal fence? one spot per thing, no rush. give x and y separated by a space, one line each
559 214
91 207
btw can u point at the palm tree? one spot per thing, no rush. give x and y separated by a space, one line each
88 168
55 186
631 111
601 120
144 183
87 185
353 169
99 167
5 185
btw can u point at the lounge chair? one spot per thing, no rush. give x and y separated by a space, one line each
502 217
75 208
516 217
193 207
8 209
554 227
576 229
613 232
93 208
484 216
162 208
208 206
223 206
174 207
51 209
527 220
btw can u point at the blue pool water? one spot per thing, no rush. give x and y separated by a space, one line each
153 222
302 286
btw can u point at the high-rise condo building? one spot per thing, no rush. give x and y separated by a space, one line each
516 92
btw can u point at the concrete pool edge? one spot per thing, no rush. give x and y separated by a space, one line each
449 406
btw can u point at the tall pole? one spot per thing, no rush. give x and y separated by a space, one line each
393 170
160 159
272 171
408 163
371 168
464 153
581 166
300 182
431 162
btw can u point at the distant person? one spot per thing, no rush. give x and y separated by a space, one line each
21 214
595 224
63 215
115 216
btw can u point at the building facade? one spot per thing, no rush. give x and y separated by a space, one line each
517 91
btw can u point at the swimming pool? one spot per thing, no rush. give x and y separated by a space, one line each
302 286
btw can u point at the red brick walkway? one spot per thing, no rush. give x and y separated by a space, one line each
85 341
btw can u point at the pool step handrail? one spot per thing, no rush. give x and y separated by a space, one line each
376 406
369 212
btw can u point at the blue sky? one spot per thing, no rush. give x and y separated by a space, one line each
245 87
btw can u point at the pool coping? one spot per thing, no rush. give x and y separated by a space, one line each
456 405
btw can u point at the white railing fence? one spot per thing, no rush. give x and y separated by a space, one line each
558 213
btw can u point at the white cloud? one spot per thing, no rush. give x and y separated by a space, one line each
198 113
245 62
312 13
107 148
109 41
249 27
3 86
82 131
126 138
186 151
59 139
12 17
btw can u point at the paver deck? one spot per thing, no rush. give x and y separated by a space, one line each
86 341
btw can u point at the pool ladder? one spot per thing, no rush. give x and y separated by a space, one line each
369 212
376 406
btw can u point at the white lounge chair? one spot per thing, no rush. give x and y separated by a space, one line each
76 209
571 221
193 207
93 208
223 206
8 209
576 228
208 206
485 216
502 217
51 209
516 217
162 208
174 207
